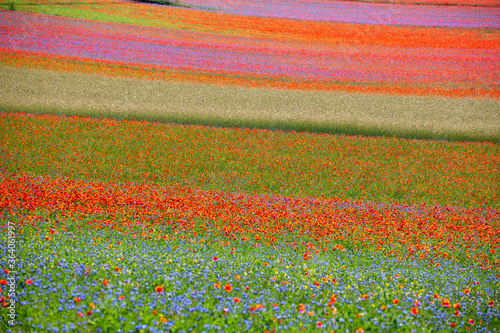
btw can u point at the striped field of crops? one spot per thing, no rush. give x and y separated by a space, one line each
250 166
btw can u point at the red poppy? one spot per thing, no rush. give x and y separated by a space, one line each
414 311
29 282
159 289
395 301
105 283
237 300
228 287
215 258
3 282
77 299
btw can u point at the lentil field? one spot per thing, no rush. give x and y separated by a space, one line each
250 166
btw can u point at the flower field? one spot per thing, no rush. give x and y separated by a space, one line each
277 52
118 235
127 222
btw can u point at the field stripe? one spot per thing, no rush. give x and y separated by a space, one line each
364 114
359 12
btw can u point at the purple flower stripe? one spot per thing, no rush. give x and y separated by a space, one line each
359 13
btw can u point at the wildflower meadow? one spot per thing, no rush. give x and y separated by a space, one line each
267 211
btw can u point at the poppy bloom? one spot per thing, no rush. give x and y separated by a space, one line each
252 309
92 305
215 258
491 303
237 300
452 325
163 320
456 306
471 322
29 282
3 282
77 299
105 283
417 303
457 313
319 324
159 289
466 291
259 306
117 269
383 307
121 297
6 271
414 311
228 287
395 301
89 313
365 296
446 303
217 285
